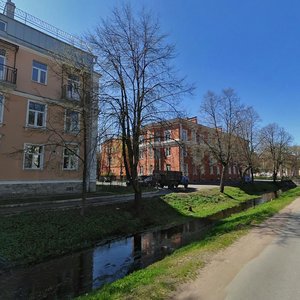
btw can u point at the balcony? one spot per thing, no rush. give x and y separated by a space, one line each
8 74
71 92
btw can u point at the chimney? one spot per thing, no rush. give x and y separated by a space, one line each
9 9
193 120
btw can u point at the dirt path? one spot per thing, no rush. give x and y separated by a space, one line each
214 279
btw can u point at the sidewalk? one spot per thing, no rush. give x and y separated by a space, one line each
10 209
262 265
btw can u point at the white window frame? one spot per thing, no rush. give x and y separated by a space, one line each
3 67
141 154
40 71
168 167
234 170
73 87
141 170
41 157
1 108
68 117
168 151
167 135
184 135
156 137
35 115
202 170
76 147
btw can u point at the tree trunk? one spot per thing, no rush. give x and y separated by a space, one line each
83 197
222 181
252 175
137 196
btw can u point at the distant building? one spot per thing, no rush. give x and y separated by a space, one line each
172 145
38 101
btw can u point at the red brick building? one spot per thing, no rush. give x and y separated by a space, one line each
173 145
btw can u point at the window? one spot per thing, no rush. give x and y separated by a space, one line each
234 170
229 170
141 154
168 167
70 158
142 139
167 135
72 121
33 157
1 108
202 170
151 152
194 136
151 169
3 25
73 87
39 72
195 171
211 170
3 71
36 115
218 170
184 135
184 152
141 171
186 169
168 151
157 137
157 153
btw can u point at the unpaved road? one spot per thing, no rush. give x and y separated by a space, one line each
263 265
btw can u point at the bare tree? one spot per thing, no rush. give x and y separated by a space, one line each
247 142
275 145
293 162
72 125
221 114
139 84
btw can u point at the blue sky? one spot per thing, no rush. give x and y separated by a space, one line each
251 46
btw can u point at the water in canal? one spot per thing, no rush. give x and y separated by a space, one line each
73 275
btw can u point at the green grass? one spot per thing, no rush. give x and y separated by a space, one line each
33 237
207 202
160 280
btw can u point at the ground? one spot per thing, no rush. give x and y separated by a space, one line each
262 265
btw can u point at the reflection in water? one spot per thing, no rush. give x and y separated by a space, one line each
111 261
72 275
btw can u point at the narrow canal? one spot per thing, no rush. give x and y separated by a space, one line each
69 276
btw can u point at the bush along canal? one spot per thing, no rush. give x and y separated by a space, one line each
72 275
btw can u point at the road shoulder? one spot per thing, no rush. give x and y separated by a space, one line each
213 279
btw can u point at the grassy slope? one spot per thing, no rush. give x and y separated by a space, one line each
32 237
159 280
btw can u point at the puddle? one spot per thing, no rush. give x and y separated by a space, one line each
72 275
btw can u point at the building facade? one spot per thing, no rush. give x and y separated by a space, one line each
175 145
43 90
